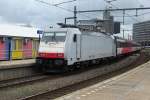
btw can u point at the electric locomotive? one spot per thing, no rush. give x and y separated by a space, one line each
65 48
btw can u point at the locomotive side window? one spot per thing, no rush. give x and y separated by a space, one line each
123 44
54 36
75 38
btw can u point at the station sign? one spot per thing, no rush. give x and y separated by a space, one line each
40 32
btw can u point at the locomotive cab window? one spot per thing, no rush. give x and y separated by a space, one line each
54 36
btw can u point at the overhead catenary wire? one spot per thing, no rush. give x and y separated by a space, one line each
123 12
79 12
133 17
49 4
142 14
64 2
56 5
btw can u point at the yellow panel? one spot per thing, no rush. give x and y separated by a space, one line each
35 44
34 53
19 44
16 38
33 56
17 55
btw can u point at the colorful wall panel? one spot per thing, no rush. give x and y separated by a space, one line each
8 47
27 48
16 48
35 46
4 48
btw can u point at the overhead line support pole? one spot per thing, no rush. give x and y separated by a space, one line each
75 15
136 12
123 21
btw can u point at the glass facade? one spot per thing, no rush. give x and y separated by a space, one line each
141 33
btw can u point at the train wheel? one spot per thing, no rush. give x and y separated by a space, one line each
66 68
72 68
37 68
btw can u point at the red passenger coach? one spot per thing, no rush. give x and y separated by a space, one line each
125 46
126 50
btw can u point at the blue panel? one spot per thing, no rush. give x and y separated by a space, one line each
7 44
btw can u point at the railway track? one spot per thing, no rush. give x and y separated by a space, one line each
19 81
31 87
57 93
15 72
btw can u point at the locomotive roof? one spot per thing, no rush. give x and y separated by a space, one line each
18 31
60 29
76 30
55 29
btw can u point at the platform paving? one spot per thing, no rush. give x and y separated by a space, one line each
16 63
132 85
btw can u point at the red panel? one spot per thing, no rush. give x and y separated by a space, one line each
27 49
51 55
28 45
126 50
2 50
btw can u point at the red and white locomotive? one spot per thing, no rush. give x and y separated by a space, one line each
66 47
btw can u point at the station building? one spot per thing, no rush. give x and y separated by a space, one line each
141 33
18 42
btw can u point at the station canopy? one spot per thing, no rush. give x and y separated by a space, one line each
18 31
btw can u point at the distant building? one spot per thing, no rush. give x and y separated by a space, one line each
141 33
98 25
92 25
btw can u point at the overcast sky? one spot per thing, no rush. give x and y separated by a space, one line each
41 15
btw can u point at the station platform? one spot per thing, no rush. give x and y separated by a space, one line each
132 85
16 63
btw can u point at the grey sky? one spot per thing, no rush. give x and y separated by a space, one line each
40 15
